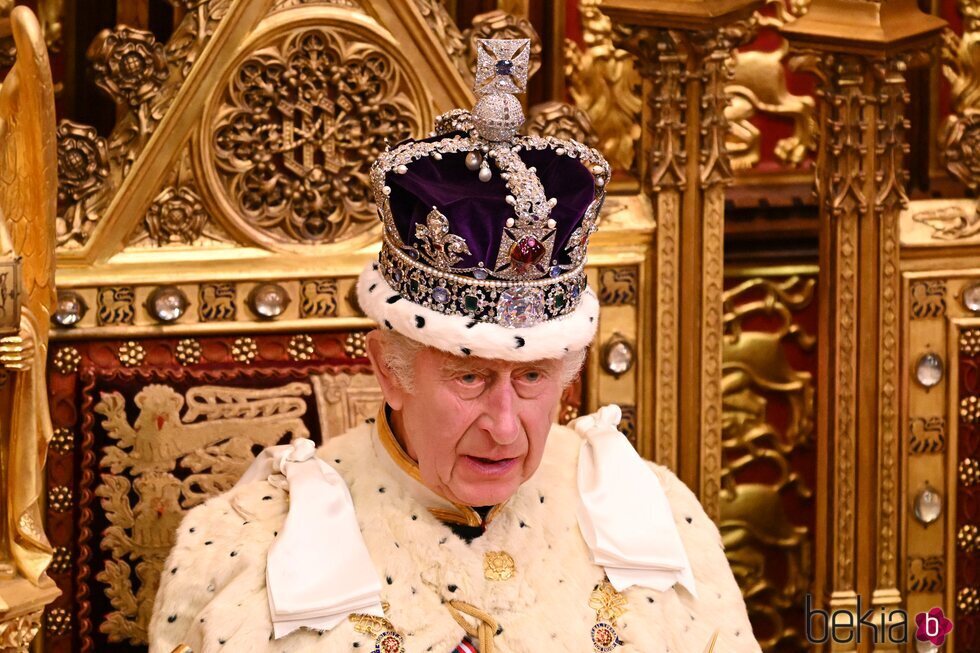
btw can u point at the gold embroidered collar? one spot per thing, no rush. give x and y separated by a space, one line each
442 509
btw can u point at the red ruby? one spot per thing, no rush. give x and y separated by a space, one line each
526 252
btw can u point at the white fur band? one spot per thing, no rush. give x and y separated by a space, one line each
464 336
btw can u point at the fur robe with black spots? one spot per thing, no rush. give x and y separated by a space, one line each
212 594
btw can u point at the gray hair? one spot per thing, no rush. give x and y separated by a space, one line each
400 352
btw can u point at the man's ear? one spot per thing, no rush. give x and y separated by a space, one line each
390 386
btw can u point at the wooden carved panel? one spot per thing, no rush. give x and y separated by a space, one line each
767 503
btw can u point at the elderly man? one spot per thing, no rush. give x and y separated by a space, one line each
462 518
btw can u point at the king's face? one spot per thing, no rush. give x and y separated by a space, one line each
477 428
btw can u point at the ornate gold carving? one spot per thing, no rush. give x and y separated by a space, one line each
318 298
758 532
927 435
667 321
617 286
129 65
60 498
969 472
142 498
176 215
293 166
63 440
116 305
188 352
970 409
61 561
928 298
441 22
244 350
217 302
951 222
568 413
498 565
499 24
286 4
603 82
927 574
57 621
968 538
960 133
970 341
759 86
17 634
66 360
83 165
301 348
355 345
627 424
560 120
131 354
968 600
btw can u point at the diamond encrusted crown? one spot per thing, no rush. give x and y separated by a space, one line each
482 222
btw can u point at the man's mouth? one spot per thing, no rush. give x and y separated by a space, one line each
490 466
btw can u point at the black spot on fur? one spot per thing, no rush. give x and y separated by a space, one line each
173 571
465 350
591 319
337 460
419 321
393 299
372 287
374 266
267 498
388 325
370 420
519 340
172 618
523 525
542 499
233 554
381 490
471 324
389 579
452 587
193 529
688 519
414 517
208 543
500 629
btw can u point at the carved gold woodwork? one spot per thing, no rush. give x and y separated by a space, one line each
202 431
292 166
685 170
861 191
759 86
603 82
769 550
28 186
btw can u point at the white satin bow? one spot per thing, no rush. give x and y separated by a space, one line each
623 513
318 570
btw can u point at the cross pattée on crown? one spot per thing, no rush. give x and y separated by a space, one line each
501 65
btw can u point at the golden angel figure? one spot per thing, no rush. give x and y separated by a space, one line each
28 203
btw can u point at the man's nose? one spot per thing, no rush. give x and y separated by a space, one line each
500 414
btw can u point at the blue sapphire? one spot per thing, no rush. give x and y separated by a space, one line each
480 274
505 67
555 271
440 294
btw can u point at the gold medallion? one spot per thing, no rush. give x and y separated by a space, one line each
498 565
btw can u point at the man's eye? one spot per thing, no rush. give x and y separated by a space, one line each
532 376
470 379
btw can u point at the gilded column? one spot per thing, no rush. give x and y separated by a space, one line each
860 57
683 53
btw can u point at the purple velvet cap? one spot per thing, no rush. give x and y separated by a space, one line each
478 210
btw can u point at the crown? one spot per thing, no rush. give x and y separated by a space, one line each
482 222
